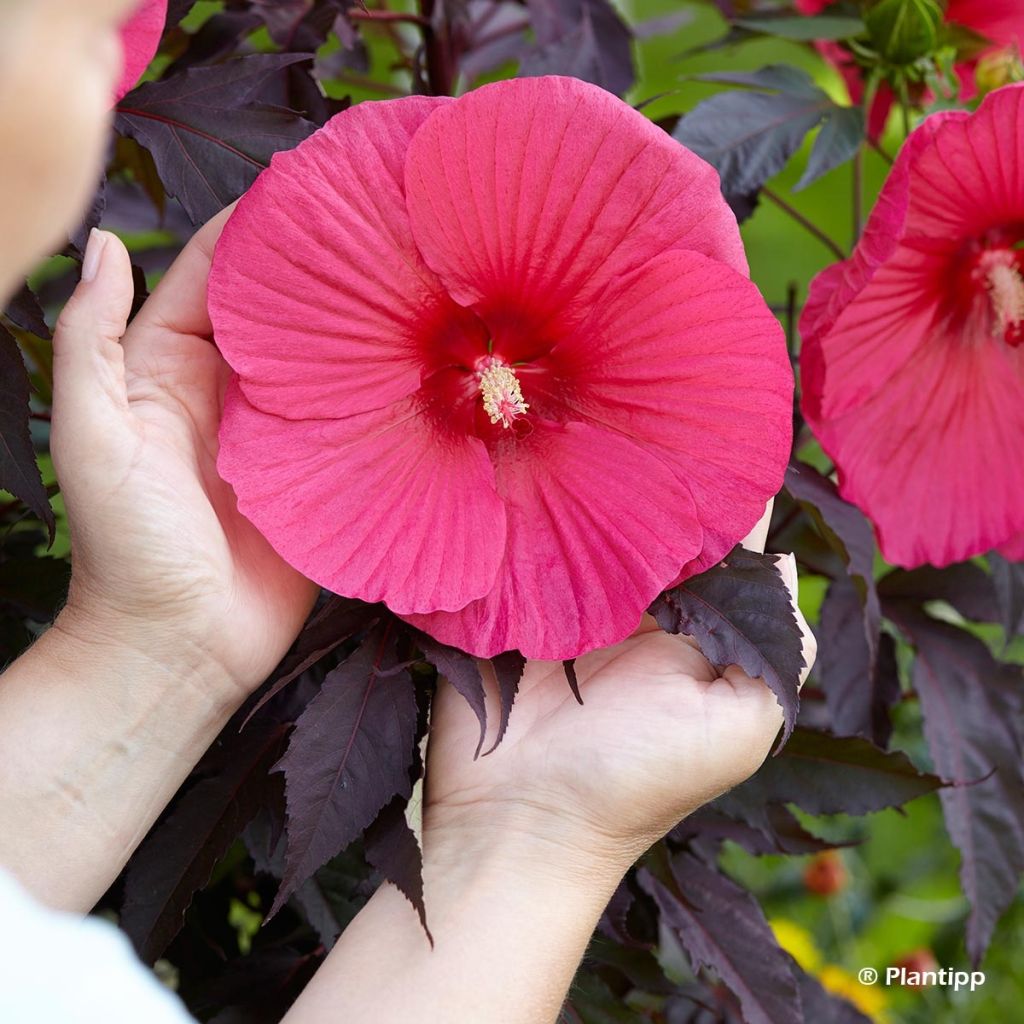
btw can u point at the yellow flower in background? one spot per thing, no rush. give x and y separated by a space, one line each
870 1000
798 942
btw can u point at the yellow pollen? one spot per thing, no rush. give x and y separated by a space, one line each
502 394
1006 290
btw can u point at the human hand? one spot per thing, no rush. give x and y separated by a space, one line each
163 561
660 734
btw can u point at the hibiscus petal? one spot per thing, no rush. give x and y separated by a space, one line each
378 506
934 457
702 378
140 37
589 547
319 299
534 193
964 183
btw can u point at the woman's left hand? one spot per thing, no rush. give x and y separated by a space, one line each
163 560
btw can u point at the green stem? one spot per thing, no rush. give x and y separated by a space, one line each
808 225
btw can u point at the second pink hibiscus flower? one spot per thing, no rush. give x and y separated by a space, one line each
498 365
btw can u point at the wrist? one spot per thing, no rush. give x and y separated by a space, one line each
525 842
171 661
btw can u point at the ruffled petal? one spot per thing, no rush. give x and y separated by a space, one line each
531 194
702 379
319 299
1002 21
140 37
589 546
378 506
934 458
969 179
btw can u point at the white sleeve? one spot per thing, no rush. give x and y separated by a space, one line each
64 969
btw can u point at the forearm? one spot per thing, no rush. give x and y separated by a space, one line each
511 916
94 741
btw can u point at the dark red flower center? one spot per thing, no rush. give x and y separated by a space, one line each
990 285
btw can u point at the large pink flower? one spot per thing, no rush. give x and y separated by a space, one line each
498 364
1000 21
912 365
140 37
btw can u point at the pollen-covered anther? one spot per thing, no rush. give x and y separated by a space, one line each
502 393
1006 292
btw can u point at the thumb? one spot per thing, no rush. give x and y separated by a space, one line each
88 363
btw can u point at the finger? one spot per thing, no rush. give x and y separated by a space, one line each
88 363
178 304
755 540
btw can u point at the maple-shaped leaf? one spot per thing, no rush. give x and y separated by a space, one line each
508 671
722 928
177 858
749 136
585 39
25 312
1008 585
392 848
821 1006
463 673
207 136
19 471
860 684
330 625
974 725
348 757
825 774
965 586
778 831
740 614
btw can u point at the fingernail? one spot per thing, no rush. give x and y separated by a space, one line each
93 255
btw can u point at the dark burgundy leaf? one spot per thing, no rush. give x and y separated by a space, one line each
843 525
257 989
19 471
178 857
218 37
348 757
463 672
778 832
25 312
570 678
824 774
79 238
508 670
584 39
967 587
750 136
208 138
973 722
859 690
1008 583
392 848
840 138
740 613
821 1006
338 619
33 586
177 9
723 929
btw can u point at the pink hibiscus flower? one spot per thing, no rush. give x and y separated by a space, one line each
1001 21
140 37
912 364
499 365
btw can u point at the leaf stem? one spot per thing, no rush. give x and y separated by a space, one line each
388 16
808 225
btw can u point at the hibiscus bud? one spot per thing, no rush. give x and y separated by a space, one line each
826 874
904 30
998 69
916 963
